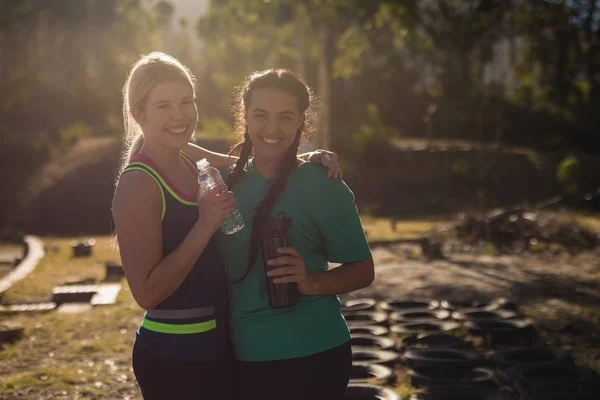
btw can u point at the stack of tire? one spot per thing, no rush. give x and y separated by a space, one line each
373 354
433 356
538 373
496 323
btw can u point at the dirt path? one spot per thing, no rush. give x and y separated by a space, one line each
561 293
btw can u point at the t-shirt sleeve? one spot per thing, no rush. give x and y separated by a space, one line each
339 223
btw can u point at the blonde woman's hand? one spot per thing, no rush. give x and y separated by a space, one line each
328 159
290 267
215 205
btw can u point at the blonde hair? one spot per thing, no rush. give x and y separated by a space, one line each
147 72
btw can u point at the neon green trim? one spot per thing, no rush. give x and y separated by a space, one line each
181 329
162 194
179 199
189 160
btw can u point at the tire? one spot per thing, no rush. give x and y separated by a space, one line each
368 392
449 361
373 374
359 305
463 392
423 327
496 304
372 342
375 330
362 318
409 305
425 377
517 356
516 332
433 341
418 315
368 356
482 315
11 332
555 381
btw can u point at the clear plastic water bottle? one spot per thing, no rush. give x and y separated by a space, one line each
208 178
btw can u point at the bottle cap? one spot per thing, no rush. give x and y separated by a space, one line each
202 164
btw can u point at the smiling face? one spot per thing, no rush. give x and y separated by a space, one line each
273 118
169 115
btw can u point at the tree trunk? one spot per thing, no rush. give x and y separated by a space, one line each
323 120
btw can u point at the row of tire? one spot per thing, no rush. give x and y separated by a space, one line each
423 338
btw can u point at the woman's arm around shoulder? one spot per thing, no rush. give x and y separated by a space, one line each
217 160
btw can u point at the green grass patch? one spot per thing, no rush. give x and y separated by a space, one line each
85 355
389 229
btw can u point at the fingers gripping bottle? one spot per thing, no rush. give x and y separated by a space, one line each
208 178
273 236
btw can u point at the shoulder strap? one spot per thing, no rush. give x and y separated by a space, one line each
138 166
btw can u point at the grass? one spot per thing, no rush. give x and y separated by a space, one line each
68 356
390 229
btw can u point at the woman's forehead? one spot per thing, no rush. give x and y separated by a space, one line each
168 90
273 100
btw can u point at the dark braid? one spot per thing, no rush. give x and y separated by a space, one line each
289 82
288 165
244 149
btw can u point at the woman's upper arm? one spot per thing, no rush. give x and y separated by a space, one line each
137 214
217 160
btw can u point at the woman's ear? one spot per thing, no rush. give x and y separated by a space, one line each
137 114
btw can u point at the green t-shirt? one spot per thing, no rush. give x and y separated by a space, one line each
325 227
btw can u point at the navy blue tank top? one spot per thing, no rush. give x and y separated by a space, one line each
191 324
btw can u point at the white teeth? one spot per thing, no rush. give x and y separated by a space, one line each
271 141
177 130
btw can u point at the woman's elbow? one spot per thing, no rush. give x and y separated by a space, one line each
369 276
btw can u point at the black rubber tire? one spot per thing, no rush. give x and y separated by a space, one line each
513 332
496 304
369 356
415 328
365 304
368 392
375 330
409 305
472 314
362 318
511 357
372 342
555 381
418 315
373 374
11 332
460 305
463 392
426 377
443 360
433 341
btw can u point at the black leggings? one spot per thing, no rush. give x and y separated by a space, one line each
323 375
163 378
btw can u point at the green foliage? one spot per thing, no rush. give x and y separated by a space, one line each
566 173
70 134
216 128
461 168
373 137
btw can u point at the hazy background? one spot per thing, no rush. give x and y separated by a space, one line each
434 106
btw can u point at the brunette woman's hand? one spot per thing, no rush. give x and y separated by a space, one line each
328 159
215 205
291 268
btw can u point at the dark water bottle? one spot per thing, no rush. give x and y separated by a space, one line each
274 236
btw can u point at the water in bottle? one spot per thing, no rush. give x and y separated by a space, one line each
273 236
208 178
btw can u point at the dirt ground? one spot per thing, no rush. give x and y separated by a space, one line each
560 293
